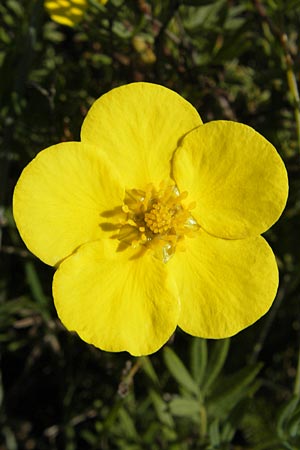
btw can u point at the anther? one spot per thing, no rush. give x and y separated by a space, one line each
157 219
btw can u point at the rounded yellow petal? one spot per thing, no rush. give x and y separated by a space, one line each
235 176
139 126
60 198
66 12
224 285
116 300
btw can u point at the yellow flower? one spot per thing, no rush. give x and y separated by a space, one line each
67 12
154 221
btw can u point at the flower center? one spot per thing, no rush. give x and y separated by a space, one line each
159 219
156 219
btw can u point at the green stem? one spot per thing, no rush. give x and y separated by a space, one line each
203 422
293 87
291 78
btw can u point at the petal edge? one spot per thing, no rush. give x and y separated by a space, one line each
117 302
236 177
224 285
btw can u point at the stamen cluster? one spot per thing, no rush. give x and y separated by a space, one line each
156 219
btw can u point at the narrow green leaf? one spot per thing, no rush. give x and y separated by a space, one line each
198 359
16 7
179 371
10 439
214 433
161 411
294 424
148 368
4 36
233 389
227 433
127 425
285 414
89 437
36 287
216 362
184 407
204 16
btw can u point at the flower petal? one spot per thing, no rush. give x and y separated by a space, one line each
224 285
139 126
59 199
236 177
116 300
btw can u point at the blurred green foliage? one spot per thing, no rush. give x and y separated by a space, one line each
236 60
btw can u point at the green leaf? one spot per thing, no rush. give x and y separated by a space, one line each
179 371
285 414
184 407
227 432
204 16
148 368
127 425
36 288
216 362
231 390
10 439
4 36
198 359
16 7
214 433
236 17
162 413
294 424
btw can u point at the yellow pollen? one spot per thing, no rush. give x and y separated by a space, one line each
159 219
156 219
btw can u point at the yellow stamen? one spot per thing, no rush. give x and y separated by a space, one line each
157 219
